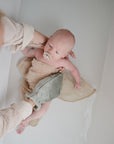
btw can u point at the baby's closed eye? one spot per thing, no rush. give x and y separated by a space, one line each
57 52
50 46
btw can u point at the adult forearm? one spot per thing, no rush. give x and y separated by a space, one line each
38 40
29 52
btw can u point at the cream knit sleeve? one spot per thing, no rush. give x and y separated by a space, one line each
16 35
13 115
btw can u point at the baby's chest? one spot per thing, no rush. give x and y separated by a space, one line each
51 64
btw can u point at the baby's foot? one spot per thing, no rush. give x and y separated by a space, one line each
22 126
19 130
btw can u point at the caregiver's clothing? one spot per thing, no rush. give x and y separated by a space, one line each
16 35
13 115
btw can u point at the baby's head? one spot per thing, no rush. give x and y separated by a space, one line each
59 45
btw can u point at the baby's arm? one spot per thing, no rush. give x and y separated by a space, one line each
67 64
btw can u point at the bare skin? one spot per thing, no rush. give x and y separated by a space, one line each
58 51
38 40
33 116
59 58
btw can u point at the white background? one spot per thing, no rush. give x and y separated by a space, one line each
91 23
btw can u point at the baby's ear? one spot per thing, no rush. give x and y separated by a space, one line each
72 54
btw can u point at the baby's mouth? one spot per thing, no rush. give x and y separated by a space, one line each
47 56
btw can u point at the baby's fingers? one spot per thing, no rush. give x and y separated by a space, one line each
61 69
77 86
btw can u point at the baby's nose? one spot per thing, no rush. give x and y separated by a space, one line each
50 51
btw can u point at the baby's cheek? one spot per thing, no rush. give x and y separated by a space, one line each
46 48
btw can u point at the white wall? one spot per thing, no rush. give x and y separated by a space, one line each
90 22
102 127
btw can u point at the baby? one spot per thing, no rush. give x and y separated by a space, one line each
55 53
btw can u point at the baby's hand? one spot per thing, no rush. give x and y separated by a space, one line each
61 69
77 86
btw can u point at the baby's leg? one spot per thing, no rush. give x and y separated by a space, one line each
33 116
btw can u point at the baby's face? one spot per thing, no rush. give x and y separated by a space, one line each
56 48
